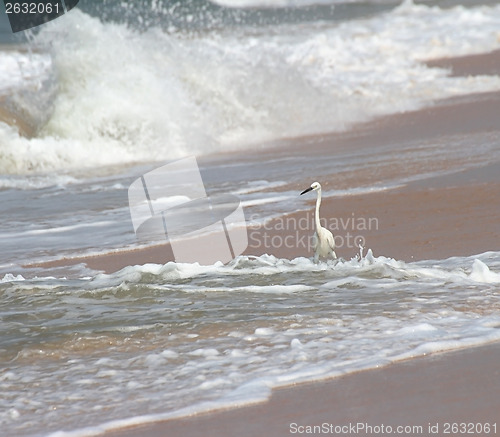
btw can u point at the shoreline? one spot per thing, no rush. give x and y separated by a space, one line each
415 223
419 392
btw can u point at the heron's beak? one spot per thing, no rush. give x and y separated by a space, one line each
306 190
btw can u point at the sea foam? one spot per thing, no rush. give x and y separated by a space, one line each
180 339
127 96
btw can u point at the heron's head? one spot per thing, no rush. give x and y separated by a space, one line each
315 186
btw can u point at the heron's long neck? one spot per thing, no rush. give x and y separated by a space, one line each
316 216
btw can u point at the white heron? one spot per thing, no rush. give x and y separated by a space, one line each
323 241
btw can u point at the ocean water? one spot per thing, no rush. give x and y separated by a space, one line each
115 89
157 341
129 94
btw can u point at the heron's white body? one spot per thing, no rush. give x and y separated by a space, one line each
323 241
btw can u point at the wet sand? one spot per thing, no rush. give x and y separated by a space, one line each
428 394
472 65
410 224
